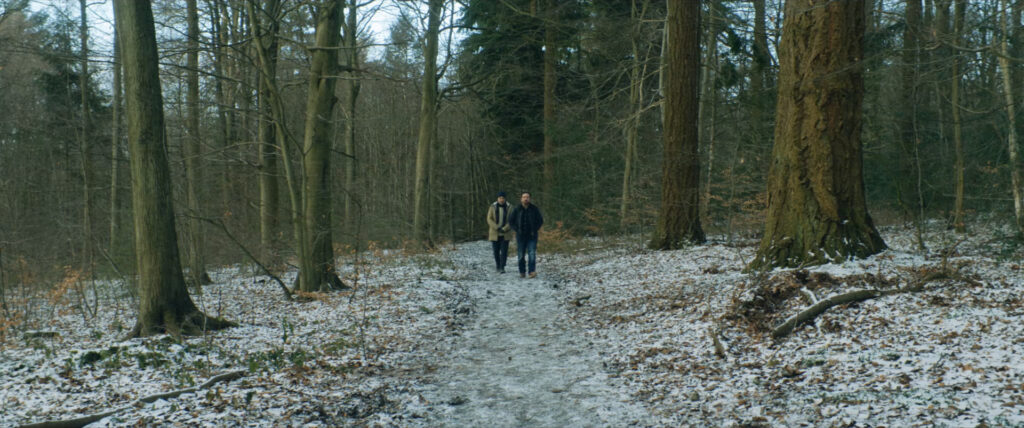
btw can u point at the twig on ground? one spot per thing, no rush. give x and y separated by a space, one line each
86 420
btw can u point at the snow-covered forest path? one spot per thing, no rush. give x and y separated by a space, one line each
516 360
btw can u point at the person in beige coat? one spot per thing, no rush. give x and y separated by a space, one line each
499 231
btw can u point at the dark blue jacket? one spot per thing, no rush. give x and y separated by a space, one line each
526 222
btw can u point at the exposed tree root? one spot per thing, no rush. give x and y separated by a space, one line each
195 323
820 306
86 420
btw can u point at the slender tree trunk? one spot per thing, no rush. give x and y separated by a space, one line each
428 116
1011 113
317 271
761 61
679 215
958 141
194 154
816 206
83 86
265 22
550 80
115 146
164 303
636 85
219 61
906 180
353 86
706 131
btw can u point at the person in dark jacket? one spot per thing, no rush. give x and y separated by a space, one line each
526 221
499 230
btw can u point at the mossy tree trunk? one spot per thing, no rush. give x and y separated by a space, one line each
317 269
265 22
164 303
194 155
353 86
679 215
816 207
428 119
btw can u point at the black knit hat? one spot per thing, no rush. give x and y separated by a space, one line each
501 194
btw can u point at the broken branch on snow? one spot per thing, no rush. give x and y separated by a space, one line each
86 420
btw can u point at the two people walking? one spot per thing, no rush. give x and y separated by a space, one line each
525 220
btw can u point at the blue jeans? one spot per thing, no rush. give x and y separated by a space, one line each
527 247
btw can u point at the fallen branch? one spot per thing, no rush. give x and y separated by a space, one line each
86 420
220 225
820 306
810 313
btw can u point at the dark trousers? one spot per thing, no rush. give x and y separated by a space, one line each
527 248
500 248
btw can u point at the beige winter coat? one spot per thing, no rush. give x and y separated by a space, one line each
492 221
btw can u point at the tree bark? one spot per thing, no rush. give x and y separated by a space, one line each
708 98
84 137
907 154
265 22
164 303
636 85
194 154
317 270
115 146
679 215
428 117
816 206
353 87
1011 113
958 141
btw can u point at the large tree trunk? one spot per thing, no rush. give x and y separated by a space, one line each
164 303
958 141
550 80
816 207
1011 113
428 117
193 154
265 23
678 217
317 269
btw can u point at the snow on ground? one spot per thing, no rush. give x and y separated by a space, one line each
609 335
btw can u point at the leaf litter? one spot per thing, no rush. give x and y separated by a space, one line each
609 335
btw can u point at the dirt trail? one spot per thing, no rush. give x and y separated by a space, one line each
517 362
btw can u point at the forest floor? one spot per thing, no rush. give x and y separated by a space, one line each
609 334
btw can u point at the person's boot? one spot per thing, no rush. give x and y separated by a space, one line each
522 275
533 274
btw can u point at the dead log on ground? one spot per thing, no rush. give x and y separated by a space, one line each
86 420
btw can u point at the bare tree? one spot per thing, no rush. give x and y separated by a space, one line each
196 259
316 270
164 303
679 215
1011 113
428 128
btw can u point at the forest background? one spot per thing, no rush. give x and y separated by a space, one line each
942 84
